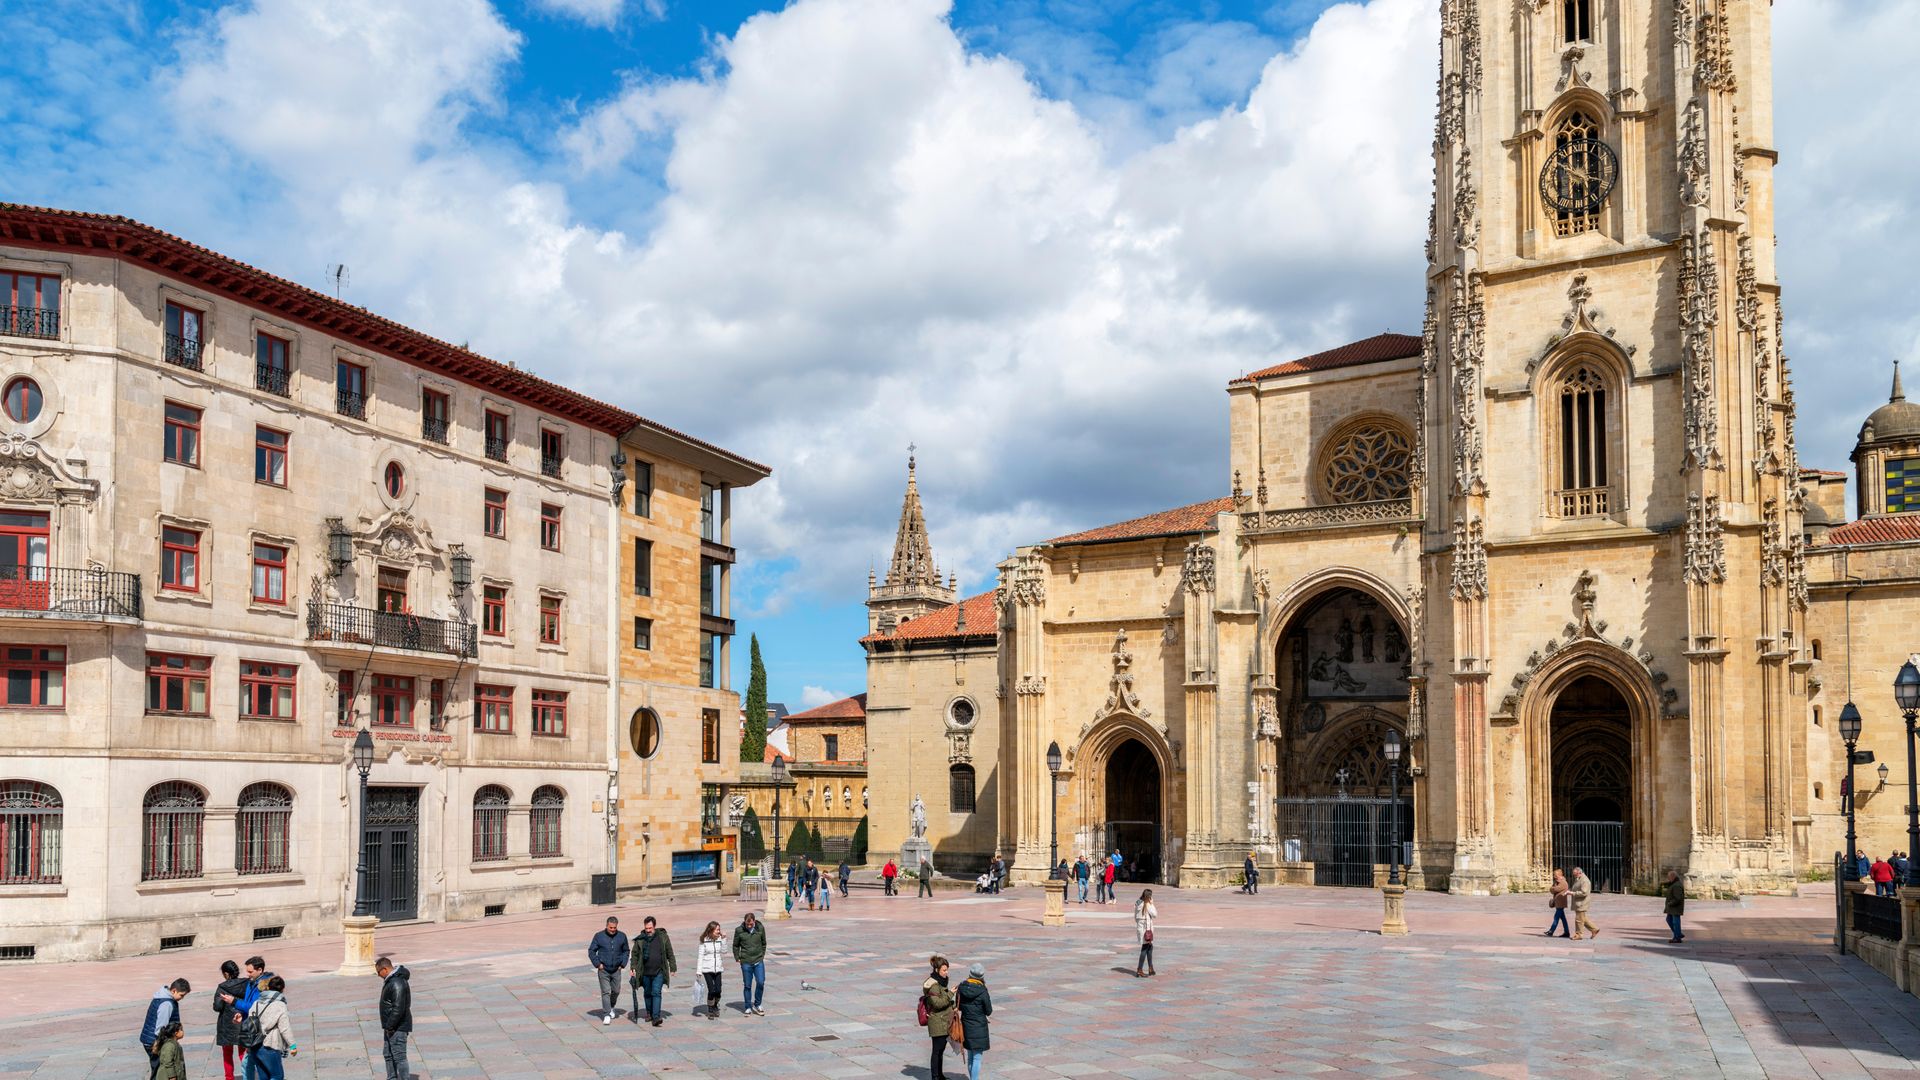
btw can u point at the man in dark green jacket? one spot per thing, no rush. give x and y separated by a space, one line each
653 966
1676 904
750 952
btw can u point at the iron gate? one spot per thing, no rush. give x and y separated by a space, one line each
1344 838
1598 847
390 842
1138 843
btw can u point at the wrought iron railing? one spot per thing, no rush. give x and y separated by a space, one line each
30 322
550 466
433 429
69 591
497 449
1876 916
392 630
274 380
182 351
348 403
1583 502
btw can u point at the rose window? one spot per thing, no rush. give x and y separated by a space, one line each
1369 464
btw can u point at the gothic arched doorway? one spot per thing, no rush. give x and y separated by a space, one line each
1133 810
1590 751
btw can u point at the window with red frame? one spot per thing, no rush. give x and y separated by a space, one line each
543 840
552 446
22 400
437 704
493 709
261 840
494 518
392 594
343 700
36 676
184 328
393 700
269 457
269 574
490 823
270 364
549 712
493 611
179 559
709 735
29 305
497 433
550 526
549 620
182 442
177 684
267 690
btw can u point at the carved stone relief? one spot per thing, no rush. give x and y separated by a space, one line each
1694 180
1120 695
1699 314
1587 628
1706 553
1467 346
1469 560
1196 575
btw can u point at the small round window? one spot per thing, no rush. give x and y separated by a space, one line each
22 400
396 480
644 731
960 713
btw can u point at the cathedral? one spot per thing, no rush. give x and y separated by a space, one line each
1544 585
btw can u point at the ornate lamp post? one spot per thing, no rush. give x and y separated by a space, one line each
1053 770
1055 911
1906 694
1391 751
776 888
358 927
1849 734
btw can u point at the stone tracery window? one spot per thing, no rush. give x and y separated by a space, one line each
1368 462
1584 470
1578 126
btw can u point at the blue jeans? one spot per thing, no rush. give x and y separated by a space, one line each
267 1064
1083 890
753 984
651 985
973 1063
1559 921
1673 923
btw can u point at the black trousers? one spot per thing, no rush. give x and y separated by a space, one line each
937 1067
1145 962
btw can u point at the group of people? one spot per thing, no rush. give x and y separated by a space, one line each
890 878
1887 874
1099 871
653 964
803 877
253 1026
1578 895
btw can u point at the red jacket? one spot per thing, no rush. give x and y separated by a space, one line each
1881 871
889 870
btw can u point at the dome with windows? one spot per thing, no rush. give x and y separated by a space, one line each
1897 419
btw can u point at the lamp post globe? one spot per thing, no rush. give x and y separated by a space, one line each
1906 694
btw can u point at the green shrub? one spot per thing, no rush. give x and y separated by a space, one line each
798 840
858 854
753 845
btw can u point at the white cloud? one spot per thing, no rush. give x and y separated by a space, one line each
812 697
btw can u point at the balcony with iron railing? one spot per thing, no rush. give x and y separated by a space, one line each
183 351
274 380
550 466
1583 502
348 403
497 449
338 624
30 322
68 594
434 429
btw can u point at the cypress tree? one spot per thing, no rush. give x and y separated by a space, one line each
753 740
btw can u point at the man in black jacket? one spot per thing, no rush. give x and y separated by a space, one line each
396 1016
607 952
654 966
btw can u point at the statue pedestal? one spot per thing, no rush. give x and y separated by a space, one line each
358 959
776 902
1393 923
912 850
1056 909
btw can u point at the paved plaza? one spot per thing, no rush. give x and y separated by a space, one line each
1294 981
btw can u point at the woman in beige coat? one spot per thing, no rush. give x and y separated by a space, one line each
1582 889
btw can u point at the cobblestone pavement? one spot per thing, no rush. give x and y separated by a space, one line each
1293 981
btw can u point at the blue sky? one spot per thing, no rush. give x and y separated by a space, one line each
1035 238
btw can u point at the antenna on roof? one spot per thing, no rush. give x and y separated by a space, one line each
341 278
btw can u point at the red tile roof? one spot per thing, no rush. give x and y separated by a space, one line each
1365 351
943 623
1890 529
1829 474
1180 521
850 708
770 753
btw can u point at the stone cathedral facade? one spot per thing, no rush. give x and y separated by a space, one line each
1558 547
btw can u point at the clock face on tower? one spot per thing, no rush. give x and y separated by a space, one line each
1579 176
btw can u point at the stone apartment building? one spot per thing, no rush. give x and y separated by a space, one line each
826 768
241 520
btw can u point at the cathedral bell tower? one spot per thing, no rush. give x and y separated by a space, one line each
912 586
1611 494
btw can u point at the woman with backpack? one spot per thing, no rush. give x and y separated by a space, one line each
937 1013
276 1031
712 961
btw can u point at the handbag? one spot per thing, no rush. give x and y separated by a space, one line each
921 1012
1148 938
956 1033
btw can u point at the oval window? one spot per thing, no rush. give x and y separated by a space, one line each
22 400
644 732
396 480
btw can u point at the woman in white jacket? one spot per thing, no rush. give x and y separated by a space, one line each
1143 915
713 960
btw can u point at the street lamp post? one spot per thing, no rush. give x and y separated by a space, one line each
357 928
1055 911
1391 751
777 889
362 761
1849 734
1906 693
1053 771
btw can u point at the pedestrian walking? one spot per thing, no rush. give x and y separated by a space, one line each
887 874
810 880
793 877
937 1007
609 952
162 1009
750 952
654 967
1079 877
170 1062
1250 877
1557 900
254 971
826 893
975 1006
711 962
226 1023
276 1031
1676 905
1580 895
1108 868
846 876
1143 916
925 879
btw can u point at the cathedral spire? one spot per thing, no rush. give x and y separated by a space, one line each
1899 394
912 550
